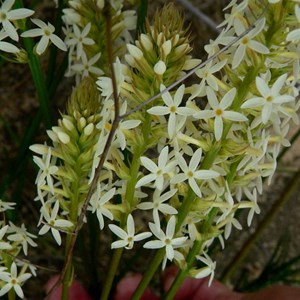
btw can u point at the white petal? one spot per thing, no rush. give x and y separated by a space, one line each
234 116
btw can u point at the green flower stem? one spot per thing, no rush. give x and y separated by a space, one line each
39 81
37 75
141 16
114 264
268 220
155 263
74 203
12 295
53 49
183 273
128 203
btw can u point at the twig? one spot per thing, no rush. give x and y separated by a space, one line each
198 13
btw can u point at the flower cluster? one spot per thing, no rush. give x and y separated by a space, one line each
9 18
192 157
85 30
13 241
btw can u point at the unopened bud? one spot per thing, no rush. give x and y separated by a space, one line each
160 68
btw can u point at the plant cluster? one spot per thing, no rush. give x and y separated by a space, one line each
192 156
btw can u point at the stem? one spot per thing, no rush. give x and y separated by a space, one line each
37 76
11 295
149 274
242 254
111 273
74 203
183 273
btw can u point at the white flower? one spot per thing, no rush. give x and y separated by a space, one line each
80 39
127 238
295 34
228 227
7 15
209 269
158 204
172 108
206 73
167 239
123 125
47 170
98 203
87 66
20 235
6 205
5 46
105 83
253 201
53 222
4 245
247 41
271 98
158 171
191 173
46 31
219 111
13 281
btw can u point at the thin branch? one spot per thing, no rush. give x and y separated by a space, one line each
192 71
114 127
199 14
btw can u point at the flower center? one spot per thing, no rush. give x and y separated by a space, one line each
3 16
168 241
219 112
107 126
47 32
158 172
13 281
190 173
245 40
130 239
269 98
173 109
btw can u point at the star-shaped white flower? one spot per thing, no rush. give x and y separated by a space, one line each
165 240
192 173
13 281
79 39
158 204
53 222
4 245
46 31
47 170
219 112
127 237
87 66
158 172
22 236
172 108
6 205
208 270
247 41
5 46
270 98
98 202
7 15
